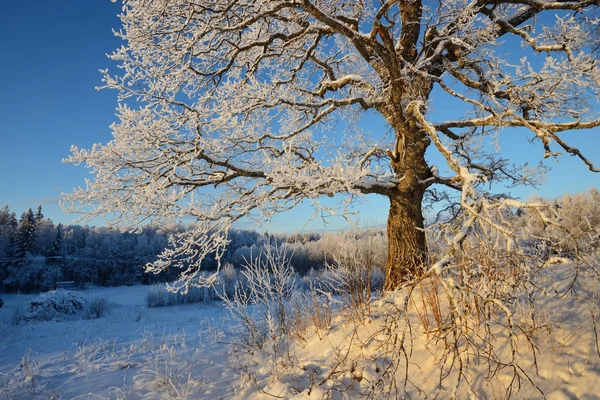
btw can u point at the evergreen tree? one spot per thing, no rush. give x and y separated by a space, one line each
56 249
25 238
5 215
56 262
8 229
45 233
8 225
38 214
25 270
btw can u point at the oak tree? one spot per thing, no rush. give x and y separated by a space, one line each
235 108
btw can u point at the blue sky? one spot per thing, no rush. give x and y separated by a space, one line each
51 54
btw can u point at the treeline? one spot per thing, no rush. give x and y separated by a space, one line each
35 253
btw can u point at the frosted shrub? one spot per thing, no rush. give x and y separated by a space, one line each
354 273
319 310
194 294
575 230
240 308
10 317
16 316
97 308
262 304
312 279
156 296
227 280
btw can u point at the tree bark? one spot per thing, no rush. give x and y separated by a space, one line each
407 247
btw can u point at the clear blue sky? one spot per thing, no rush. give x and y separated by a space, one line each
51 52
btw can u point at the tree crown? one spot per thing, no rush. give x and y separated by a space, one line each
240 101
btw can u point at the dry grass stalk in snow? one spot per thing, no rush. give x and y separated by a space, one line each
429 308
321 312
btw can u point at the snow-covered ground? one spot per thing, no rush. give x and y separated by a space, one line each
185 352
133 353
545 346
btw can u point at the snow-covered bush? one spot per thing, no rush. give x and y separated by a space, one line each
572 228
227 280
10 316
157 296
54 305
476 319
262 304
97 308
356 270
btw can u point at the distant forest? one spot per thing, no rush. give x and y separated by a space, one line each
35 253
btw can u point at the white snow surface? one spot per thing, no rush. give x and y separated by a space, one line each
133 353
185 352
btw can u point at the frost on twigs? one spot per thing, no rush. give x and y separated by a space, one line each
261 301
355 272
186 252
508 310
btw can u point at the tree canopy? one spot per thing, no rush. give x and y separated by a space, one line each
231 108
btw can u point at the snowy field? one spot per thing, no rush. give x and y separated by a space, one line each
133 353
185 351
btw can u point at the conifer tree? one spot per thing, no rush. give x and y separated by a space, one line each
8 228
25 237
56 249
38 214
55 263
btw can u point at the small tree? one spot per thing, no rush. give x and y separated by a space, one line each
252 107
38 214
56 260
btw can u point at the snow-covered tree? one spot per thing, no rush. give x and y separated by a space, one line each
45 233
249 107
38 214
8 229
56 251
8 219
25 238
56 261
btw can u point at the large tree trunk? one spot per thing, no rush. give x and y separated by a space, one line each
407 248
